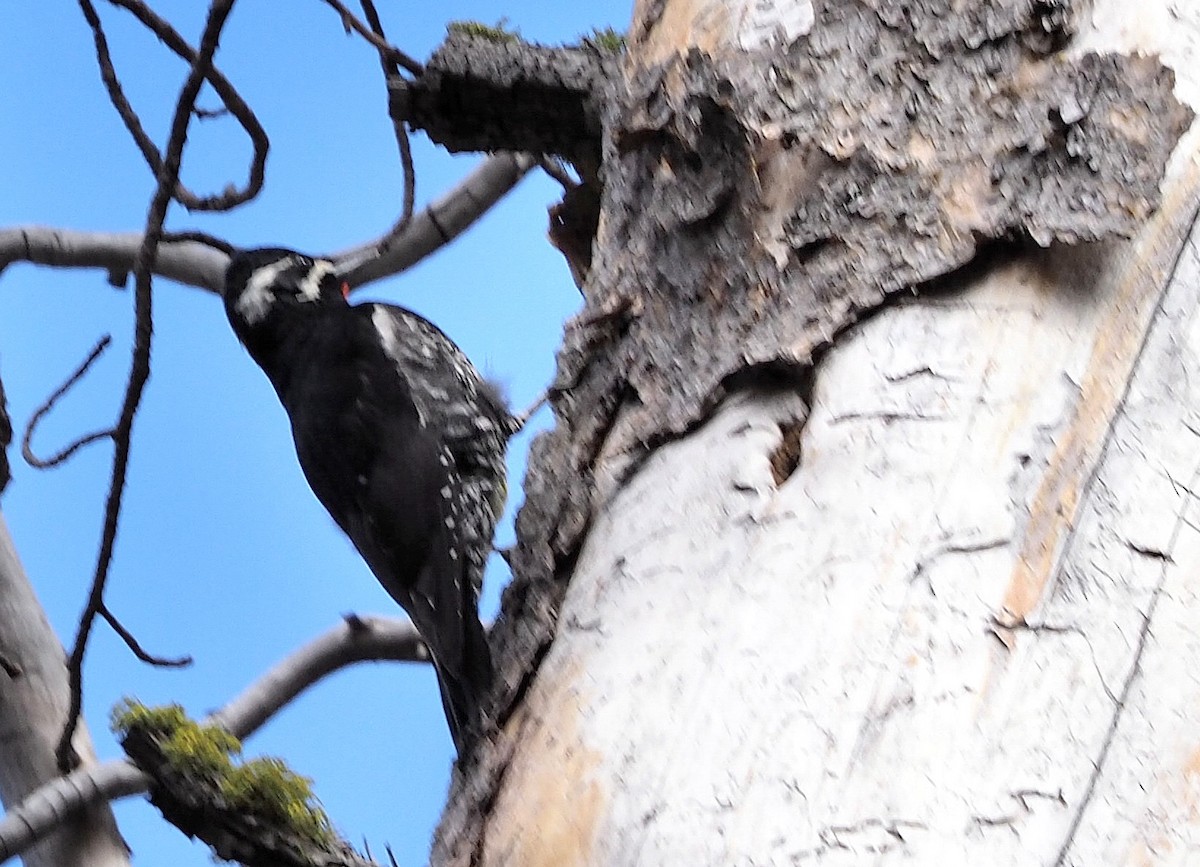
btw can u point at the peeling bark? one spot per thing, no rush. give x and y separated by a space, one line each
831 426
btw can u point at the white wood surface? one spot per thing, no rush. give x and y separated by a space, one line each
965 631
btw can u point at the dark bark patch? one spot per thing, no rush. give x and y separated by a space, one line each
5 439
785 460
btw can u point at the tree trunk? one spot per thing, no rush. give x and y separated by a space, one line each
885 551
33 708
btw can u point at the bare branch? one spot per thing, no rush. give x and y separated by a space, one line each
389 52
409 173
392 78
390 67
352 641
201 266
139 372
170 37
439 223
132 643
356 639
41 412
64 798
189 263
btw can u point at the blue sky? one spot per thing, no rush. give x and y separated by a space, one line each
224 553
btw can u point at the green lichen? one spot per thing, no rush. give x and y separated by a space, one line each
263 787
267 788
131 713
608 39
200 750
499 32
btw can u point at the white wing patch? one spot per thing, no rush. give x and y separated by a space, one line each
310 286
256 299
389 335
382 320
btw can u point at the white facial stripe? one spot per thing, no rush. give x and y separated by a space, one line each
310 286
256 299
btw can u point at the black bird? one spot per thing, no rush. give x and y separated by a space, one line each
401 440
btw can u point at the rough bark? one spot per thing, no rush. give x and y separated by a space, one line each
875 515
33 707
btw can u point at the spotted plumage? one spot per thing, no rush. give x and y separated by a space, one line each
400 439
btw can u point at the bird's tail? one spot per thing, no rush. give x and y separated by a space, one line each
465 689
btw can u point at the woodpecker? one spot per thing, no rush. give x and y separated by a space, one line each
400 439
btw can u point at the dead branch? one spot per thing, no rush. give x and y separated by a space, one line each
140 370
233 101
438 224
359 639
136 648
391 75
48 404
188 263
203 267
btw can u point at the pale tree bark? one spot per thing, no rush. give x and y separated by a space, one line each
33 708
918 589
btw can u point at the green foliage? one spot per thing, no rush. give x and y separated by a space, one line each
499 32
608 39
263 787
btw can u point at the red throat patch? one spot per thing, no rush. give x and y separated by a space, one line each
345 289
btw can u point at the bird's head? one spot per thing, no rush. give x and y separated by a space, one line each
264 282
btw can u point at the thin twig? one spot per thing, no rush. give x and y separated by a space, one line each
226 91
41 412
132 643
228 95
140 368
391 72
410 177
393 53
390 67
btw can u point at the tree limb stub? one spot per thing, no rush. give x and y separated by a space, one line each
886 145
481 94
